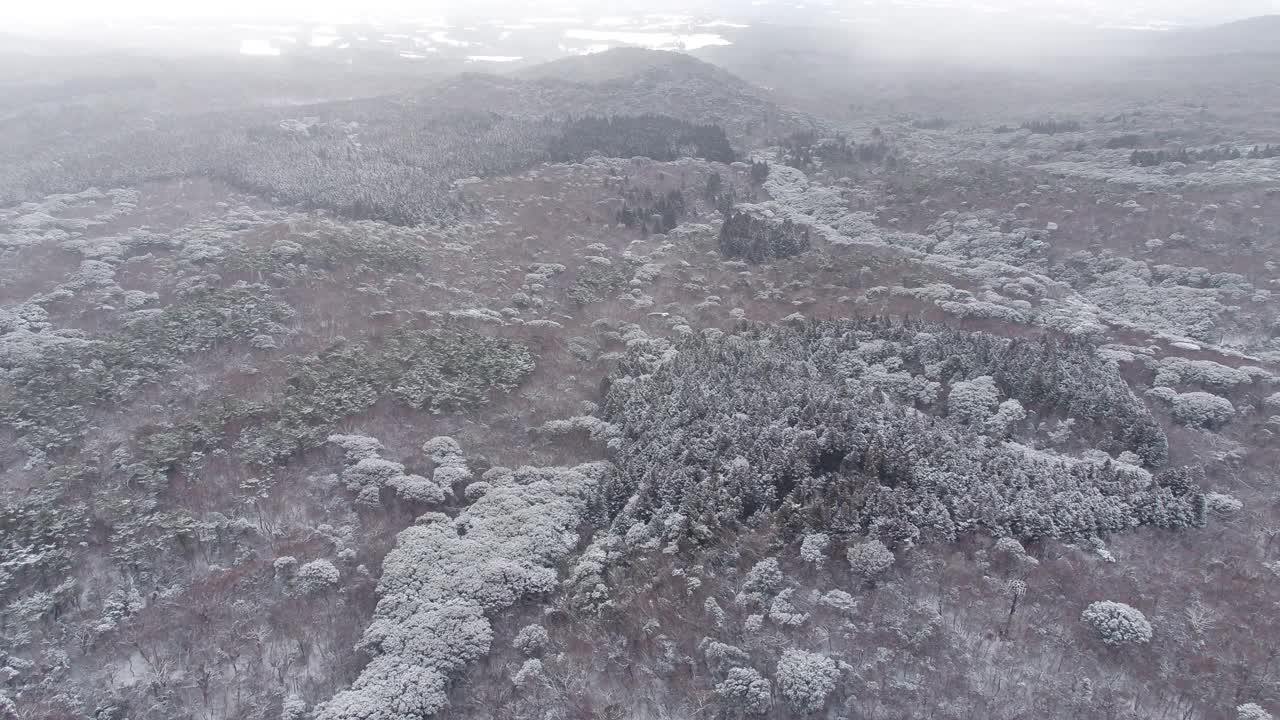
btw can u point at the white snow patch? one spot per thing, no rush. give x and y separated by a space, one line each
255 46
650 40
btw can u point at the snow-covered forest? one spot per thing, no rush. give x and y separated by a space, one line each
632 385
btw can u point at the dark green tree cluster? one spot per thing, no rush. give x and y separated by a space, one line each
773 418
757 239
1051 127
47 394
1063 377
432 370
802 148
653 213
368 160
1123 142
759 171
1152 158
657 137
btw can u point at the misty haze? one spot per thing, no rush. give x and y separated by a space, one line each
848 360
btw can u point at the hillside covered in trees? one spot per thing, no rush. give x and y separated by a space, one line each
619 387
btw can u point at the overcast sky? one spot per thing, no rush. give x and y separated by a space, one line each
28 12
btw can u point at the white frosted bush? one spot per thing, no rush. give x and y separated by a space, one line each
1202 409
285 565
1272 403
870 558
722 656
1117 624
784 612
357 447
806 679
1010 547
813 549
137 299
371 471
530 673
367 473
1223 504
442 449
531 639
315 576
451 475
746 691
1251 711
973 401
476 490
388 690
764 577
1008 416
293 708
839 600
1206 373
438 585
714 611
416 488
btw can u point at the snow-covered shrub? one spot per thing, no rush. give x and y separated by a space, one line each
357 447
590 590
806 679
438 585
745 691
293 708
1272 403
764 577
530 672
138 299
1117 623
1205 373
284 566
973 401
416 488
784 612
476 490
1009 546
714 611
123 602
448 476
531 639
869 558
1010 553
1201 409
315 576
1251 711
839 600
593 427
367 473
1008 416
371 472
1222 504
813 549
721 656
442 449
388 689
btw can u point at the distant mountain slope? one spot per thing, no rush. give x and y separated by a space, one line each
620 63
407 147
624 82
1252 35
